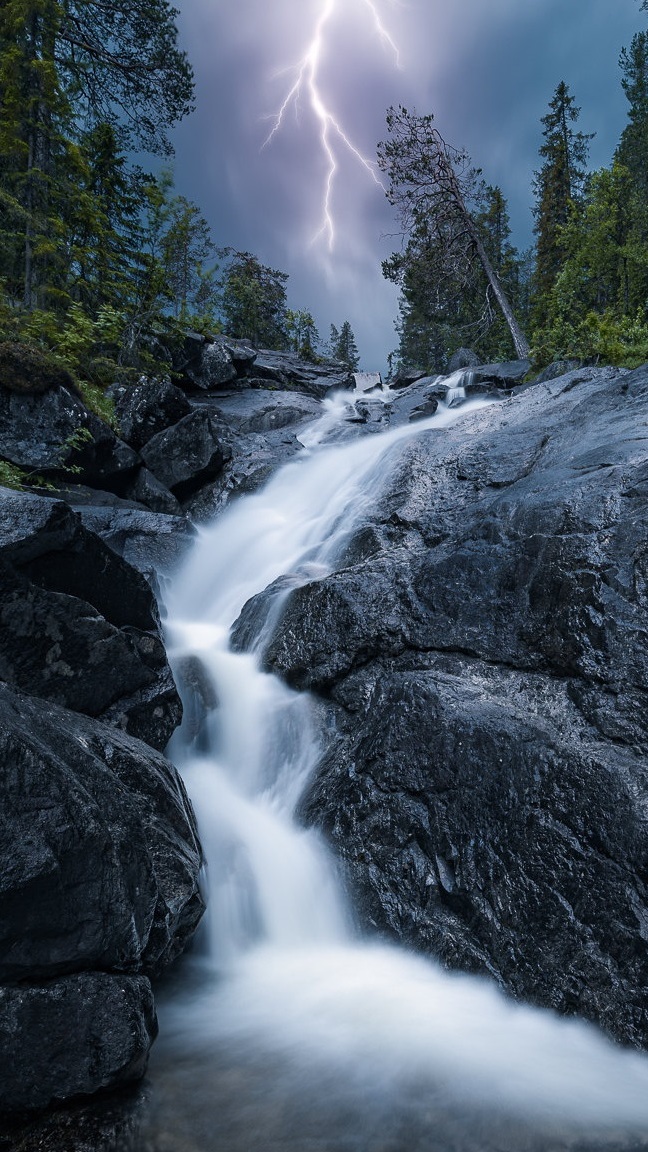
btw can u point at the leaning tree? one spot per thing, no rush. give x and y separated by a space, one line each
433 187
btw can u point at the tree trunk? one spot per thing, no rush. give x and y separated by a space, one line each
520 341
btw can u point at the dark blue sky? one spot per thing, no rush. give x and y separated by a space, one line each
486 68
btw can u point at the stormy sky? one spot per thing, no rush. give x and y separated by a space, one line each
486 69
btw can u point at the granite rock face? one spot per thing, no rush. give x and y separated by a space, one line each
52 432
79 626
99 857
99 866
148 407
189 454
486 661
115 1025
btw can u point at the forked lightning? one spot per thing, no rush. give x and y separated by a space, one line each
331 132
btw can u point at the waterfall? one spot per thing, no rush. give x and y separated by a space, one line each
284 973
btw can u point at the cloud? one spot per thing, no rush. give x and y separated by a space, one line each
486 69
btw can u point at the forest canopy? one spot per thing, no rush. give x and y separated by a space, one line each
580 292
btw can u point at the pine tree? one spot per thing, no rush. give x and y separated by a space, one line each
558 186
302 334
632 152
334 336
346 349
66 66
253 300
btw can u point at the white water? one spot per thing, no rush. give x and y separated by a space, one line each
292 980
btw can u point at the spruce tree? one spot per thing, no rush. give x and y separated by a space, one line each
65 67
346 349
558 186
253 300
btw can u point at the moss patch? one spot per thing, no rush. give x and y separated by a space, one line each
27 369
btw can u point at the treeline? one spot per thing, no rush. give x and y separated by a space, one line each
102 261
581 291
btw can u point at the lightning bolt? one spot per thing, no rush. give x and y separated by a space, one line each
330 130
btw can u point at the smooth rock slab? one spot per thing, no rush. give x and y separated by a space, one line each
488 654
477 831
73 1036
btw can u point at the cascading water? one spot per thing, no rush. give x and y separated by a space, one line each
298 1034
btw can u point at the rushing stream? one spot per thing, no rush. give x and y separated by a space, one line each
296 1035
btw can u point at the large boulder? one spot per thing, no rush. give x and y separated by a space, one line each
288 371
148 407
213 368
79 625
486 658
104 1024
99 859
55 435
188 455
99 891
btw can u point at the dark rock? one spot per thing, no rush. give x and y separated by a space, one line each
104 1025
147 490
214 369
79 624
427 408
48 542
99 860
557 368
149 407
150 542
474 829
504 375
279 416
27 369
189 454
79 496
488 666
189 354
463 358
260 411
241 353
53 433
59 648
404 377
292 373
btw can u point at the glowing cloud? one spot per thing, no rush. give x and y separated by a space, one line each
331 132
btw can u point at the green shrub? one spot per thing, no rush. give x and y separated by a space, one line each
598 338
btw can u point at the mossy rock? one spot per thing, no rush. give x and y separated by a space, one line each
27 369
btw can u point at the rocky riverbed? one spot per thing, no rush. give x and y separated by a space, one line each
479 655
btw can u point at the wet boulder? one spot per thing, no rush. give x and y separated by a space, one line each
188 455
99 859
485 662
55 435
105 1025
213 368
79 625
148 407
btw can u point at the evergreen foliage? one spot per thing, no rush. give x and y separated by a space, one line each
303 337
343 346
253 300
584 287
558 185
450 222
